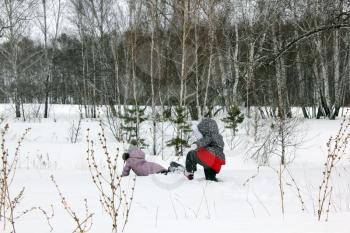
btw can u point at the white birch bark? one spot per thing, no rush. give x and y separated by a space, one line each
184 54
236 64
153 100
281 81
337 81
323 74
197 71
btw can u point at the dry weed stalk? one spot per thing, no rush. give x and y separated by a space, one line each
74 131
280 142
8 166
115 197
43 212
336 149
247 181
300 197
8 201
280 173
280 184
81 225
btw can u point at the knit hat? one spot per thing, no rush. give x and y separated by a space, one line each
133 145
195 133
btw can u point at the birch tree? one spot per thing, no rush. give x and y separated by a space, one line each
183 75
154 29
209 10
281 79
16 15
47 61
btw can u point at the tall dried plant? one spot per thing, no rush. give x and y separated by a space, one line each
115 196
8 165
336 149
9 201
82 225
281 142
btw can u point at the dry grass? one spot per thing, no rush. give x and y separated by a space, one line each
8 200
336 149
82 225
115 196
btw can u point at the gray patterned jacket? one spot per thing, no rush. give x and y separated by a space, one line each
212 139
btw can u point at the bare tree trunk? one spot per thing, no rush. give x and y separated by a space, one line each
46 62
326 99
302 88
17 104
283 105
223 75
47 59
197 70
116 92
206 107
337 81
279 81
133 27
211 47
249 75
94 96
236 65
84 93
184 54
250 71
318 92
153 100
114 45
13 54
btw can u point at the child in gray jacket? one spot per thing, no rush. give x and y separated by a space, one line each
209 152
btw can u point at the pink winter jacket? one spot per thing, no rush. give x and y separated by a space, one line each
139 165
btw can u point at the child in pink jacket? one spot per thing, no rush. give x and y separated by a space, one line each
135 160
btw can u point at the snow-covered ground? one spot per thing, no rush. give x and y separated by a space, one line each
172 203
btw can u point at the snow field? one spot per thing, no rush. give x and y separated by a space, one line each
171 203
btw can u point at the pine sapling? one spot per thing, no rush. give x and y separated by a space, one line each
182 131
233 119
132 120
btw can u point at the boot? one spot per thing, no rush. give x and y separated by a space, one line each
210 174
189 175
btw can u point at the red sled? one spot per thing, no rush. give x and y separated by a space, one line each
210 160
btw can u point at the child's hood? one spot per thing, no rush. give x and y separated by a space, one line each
208 126
131 148
135 152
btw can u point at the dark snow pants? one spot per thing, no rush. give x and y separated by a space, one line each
191 166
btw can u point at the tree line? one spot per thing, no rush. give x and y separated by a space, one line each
190 53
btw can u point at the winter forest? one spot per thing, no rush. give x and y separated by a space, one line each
174 116
196 54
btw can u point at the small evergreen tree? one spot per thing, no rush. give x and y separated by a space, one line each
132 119
234 118
182 131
